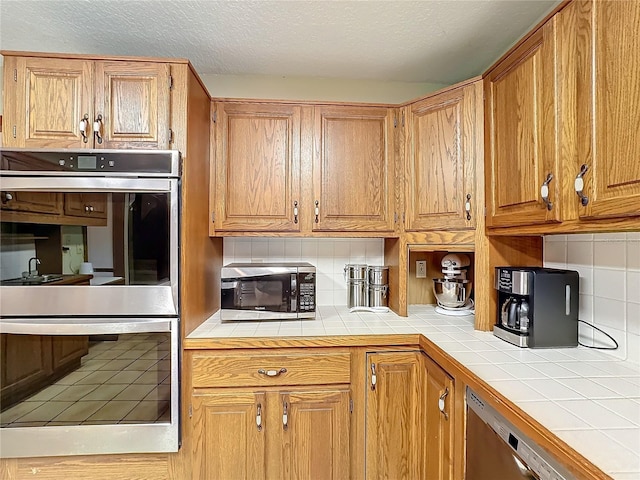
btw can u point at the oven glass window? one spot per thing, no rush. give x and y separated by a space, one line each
85 380
87 238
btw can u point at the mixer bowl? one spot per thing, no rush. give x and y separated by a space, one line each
451 293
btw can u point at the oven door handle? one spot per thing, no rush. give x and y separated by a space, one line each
84 326
75 183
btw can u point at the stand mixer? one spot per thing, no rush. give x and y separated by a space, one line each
452 292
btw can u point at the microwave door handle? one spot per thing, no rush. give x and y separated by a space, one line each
294 292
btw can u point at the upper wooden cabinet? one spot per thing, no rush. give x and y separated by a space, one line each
353 169
76 103
93 205
257 167
442 142
608 107
521 139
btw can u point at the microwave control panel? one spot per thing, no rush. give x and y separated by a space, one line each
307 286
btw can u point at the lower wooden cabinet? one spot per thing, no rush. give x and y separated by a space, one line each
408 435
286 434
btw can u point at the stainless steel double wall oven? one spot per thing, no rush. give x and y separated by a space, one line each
89 302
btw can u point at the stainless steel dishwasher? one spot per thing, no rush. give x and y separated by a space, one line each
497 450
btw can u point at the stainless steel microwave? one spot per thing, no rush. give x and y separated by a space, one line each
268 291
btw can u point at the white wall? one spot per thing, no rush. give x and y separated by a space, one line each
609 268
322 89
14 259
329 255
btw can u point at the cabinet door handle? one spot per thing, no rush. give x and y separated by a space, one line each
373 376
84 124
272 373
295 211
285 415
97 128
441 403
467 206
259 417
317 210
544 191
578 185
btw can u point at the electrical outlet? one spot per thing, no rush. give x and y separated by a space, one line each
421 269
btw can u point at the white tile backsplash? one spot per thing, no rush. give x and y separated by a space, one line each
609 269
329 255
14 259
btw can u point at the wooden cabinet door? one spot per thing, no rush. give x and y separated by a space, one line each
32 202
438 432
608 102
394 422
228 436
315 440
92 205
441 150
257 168
132 99
68 349
353 169
45 101
521 124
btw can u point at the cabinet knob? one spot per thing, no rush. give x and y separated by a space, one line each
97 128
373 376
467 206
6 197
317 212
295 211
84 124
544 191
441 403
259 417
285 415
578 185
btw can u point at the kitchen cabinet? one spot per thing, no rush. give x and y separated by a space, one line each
521 139
408 435
353 169
442 143
257 168
80 103
32 202
270 415
344 182
92 205
608 108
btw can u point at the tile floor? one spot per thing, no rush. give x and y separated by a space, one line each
123 381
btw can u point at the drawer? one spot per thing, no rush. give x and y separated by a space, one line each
247 370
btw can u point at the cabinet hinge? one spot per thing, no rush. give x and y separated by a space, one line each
190 411
213 217
215 116
170 82
15 74
170 136
395 122
15 132
485 211
351 405
403 118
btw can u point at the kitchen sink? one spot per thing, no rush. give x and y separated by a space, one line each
33 280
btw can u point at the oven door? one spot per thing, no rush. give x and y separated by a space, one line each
61 236
256 297
80 386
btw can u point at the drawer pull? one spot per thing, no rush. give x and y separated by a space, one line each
578 185
285 415
544 191
272 373
373 376
441 403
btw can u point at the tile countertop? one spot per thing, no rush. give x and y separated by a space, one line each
587 398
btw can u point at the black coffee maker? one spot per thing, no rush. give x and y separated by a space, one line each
537 307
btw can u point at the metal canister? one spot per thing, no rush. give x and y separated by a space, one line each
378 296
355 271
356 293
378 275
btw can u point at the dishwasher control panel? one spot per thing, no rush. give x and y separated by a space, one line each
528 457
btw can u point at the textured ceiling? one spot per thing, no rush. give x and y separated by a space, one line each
413 41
